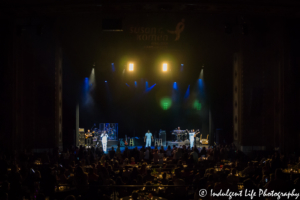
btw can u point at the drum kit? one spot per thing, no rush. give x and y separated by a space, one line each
183 135
111 132
180 135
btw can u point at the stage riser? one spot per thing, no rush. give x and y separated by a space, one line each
177 143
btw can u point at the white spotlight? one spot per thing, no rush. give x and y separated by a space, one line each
131 65
165 67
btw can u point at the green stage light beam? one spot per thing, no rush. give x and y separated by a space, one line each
165 103
197 105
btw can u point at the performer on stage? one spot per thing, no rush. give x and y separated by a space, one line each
104 137
88 140
191 134
197 132
148 137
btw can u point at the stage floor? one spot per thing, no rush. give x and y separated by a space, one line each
114 144
152 147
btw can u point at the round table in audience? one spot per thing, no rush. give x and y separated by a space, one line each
289 171
152 198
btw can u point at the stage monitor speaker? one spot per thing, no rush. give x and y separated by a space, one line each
162 136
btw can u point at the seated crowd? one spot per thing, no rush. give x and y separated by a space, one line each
79 173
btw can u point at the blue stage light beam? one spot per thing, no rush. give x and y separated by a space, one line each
86 85
187 93
200 85
182 65
146 85
135 83
175 93
113 67
175 87
108 94
150 88
86 95
127 85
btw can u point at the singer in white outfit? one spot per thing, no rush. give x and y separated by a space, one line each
192 134
148 137
104 137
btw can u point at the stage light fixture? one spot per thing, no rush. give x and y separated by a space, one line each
165 67
105 81
131 65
